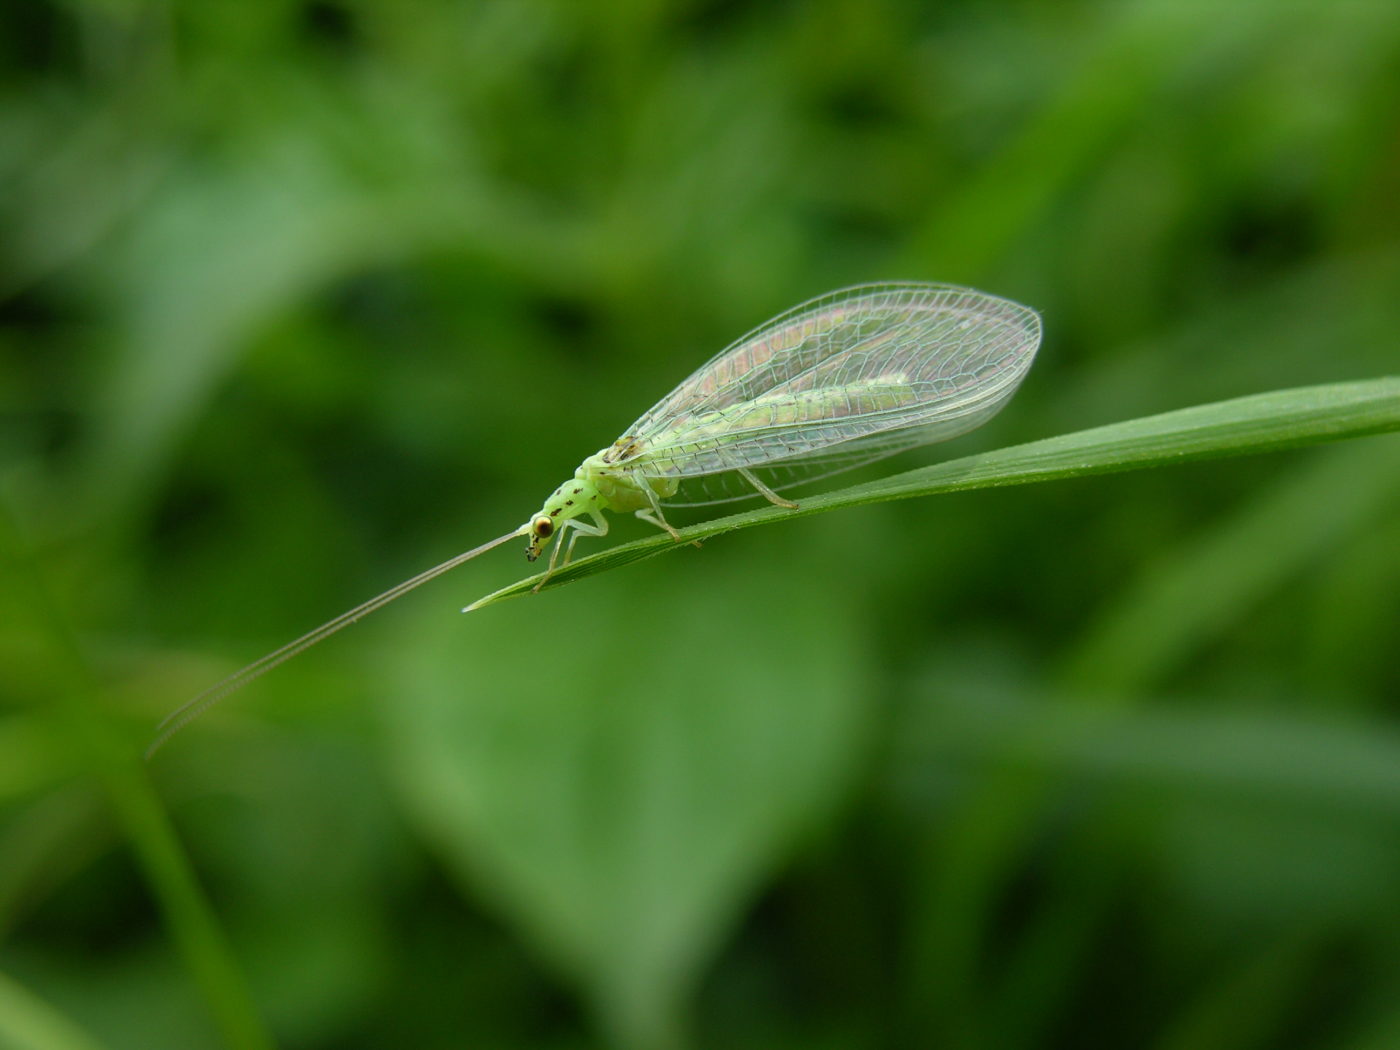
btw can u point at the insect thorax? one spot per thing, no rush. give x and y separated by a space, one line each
619 488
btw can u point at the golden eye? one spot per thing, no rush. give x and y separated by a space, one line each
543 527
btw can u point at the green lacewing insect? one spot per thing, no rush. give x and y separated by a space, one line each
847 378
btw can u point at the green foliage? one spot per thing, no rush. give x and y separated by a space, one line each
297 298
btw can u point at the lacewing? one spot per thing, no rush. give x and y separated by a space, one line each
847 378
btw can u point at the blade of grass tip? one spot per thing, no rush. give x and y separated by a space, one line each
192 709
167 870
1241 426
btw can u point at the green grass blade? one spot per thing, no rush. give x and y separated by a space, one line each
1241 426
29 1023
137 809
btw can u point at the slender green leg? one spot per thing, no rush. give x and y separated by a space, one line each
767 493
655 517
580 529
600 528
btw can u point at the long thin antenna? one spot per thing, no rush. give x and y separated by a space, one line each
192 709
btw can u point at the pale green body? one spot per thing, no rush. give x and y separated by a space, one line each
609 480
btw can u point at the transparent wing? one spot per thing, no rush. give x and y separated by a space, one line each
784 476
846 378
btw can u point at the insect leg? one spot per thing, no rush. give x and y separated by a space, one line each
580 529
655 517
554 554
765 491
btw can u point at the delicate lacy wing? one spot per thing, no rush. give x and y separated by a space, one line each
849 377
783 476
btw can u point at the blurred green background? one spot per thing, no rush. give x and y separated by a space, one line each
298 298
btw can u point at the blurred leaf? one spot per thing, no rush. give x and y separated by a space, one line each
1383 1034
138 811
28 1023
1263 822
1273 331
1248 1009
1186 599
1139 44
624 796
1260 423
1268 758
43 842
223 253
